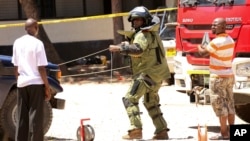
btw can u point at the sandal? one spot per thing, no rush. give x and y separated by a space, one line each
219 138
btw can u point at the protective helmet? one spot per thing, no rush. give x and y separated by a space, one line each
140 12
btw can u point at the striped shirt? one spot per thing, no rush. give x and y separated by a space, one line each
221 51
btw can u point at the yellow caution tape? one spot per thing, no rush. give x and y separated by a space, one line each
83 18
198 72
11 25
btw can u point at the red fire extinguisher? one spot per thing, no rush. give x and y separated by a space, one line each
85 132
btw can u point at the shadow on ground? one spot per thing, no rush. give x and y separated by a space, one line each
215 129
57 139
97 79
2 138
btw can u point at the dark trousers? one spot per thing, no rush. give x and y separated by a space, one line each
30 103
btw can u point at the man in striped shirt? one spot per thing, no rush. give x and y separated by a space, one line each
221 51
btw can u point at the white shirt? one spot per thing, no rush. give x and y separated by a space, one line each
28 54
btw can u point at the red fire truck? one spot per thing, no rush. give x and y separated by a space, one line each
195 18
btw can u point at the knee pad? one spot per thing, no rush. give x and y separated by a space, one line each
127 103
129 106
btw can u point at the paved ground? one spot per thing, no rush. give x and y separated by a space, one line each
101 102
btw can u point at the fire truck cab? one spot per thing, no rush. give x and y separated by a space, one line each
194 18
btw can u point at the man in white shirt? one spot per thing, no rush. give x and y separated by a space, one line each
29 61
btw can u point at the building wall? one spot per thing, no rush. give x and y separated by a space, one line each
71 39
66 8
8 9
171 3
94 7
97 29
89 30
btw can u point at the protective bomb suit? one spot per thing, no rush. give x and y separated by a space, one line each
149 69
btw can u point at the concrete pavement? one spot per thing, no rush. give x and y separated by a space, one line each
102 103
